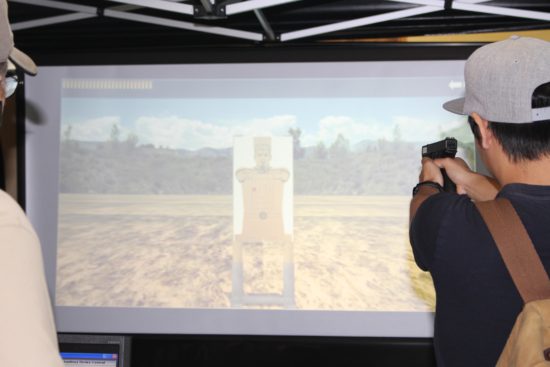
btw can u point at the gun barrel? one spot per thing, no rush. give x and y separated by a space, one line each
441 149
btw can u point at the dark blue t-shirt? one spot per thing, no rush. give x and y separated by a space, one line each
476 300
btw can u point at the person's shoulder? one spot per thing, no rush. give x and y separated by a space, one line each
448 202
243 174
11 213
279 174
444 206
8 206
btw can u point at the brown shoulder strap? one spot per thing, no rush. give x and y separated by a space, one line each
516 248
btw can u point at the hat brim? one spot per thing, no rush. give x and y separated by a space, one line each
455 106
23 61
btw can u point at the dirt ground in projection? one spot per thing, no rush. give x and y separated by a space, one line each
350 253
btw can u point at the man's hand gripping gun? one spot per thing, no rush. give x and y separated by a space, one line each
445 148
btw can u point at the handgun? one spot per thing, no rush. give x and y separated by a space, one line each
445 148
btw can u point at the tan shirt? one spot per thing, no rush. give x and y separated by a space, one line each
27 329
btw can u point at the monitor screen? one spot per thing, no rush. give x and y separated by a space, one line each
89 359
236 198
93 350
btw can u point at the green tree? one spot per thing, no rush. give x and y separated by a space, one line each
320 151
296 144
67 133
340 148
396 133
115 133
132 141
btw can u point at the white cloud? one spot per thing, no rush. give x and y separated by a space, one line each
354 131
178 132
98 129
276 125
410 129
418 129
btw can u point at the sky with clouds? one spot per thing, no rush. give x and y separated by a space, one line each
191 123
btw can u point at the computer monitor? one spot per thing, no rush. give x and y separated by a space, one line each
94 350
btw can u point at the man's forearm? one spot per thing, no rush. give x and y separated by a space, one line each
481 188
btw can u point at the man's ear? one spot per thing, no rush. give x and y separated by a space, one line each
485 133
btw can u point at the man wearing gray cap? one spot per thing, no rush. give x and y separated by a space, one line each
507 101
27 329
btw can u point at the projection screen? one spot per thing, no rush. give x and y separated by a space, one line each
263 199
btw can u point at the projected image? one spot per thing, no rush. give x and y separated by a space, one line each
277 203
262 215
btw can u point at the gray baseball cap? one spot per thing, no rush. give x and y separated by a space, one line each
500 79
7 50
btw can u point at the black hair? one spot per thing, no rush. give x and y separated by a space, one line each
523 142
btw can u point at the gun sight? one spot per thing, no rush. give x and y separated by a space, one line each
445 148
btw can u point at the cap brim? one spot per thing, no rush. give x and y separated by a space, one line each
23 61
455 106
